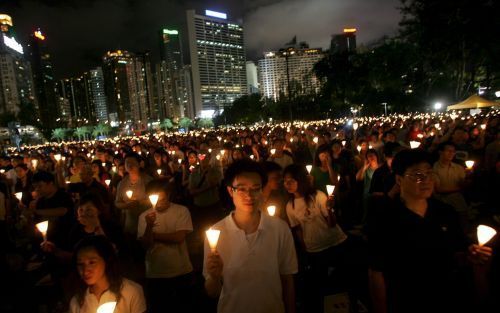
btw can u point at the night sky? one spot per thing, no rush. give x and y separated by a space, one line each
79 32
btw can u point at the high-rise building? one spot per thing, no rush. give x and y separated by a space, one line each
252 78
77 92
97 94
289 72
171 87
16 81
128 84
218 61
43 77
345 42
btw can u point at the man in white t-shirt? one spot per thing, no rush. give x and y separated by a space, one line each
253 266
163 230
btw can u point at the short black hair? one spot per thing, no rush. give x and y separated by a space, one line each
269 167
134 155
407 158
443 145
23 166
43 176
244 166
158 185
390 149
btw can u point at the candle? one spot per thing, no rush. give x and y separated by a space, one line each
355 126
108 307
34 163
107 182
154 200
330 189
129 193
42 227
483 126
271 210
19 195
469 164
158 171
309 168
343 143
358 148
414 144
252 157
273 151
209 150
103 164
113 168
57 157
179 161
484 234
315 140
213 238
2 171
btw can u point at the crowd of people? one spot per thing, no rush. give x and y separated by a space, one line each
366 214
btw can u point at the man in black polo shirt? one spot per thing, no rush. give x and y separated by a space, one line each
55 205
417 246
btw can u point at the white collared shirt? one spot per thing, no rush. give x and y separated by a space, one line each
167 260
131 301
253 264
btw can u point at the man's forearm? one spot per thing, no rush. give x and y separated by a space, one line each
288 289
213 287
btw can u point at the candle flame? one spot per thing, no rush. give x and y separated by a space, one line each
484 234
271 210
129 193
213 238
309 168
330 189
42 227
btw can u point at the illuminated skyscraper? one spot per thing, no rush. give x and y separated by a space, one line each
170 74
43 77
289 72
97 94
345 42
128 84
218 61
16 81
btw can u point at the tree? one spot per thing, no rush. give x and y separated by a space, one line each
101 129
81 132
185 123
205 123
166 124
59 134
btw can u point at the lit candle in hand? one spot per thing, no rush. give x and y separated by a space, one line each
309 168
330 189
129 194
42 227
271 210
469 164
108 307
484 234
19 195
154 200
213 238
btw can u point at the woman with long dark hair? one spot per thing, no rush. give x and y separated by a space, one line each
101 281
314 225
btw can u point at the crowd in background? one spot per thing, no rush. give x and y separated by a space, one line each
354 241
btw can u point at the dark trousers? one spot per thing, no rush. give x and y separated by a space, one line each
174 294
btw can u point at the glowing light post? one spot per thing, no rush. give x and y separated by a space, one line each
42 228
271 210
484 234
213 238
108 307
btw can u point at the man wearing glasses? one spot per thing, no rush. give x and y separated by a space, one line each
417 247
253 266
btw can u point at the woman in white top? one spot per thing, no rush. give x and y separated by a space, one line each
314 225
101 281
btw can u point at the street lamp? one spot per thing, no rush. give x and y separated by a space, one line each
385 107
438 105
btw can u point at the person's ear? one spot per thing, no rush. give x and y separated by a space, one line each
399 179
230 191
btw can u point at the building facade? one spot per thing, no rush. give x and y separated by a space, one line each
345 42
17 89
289 72
218 61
